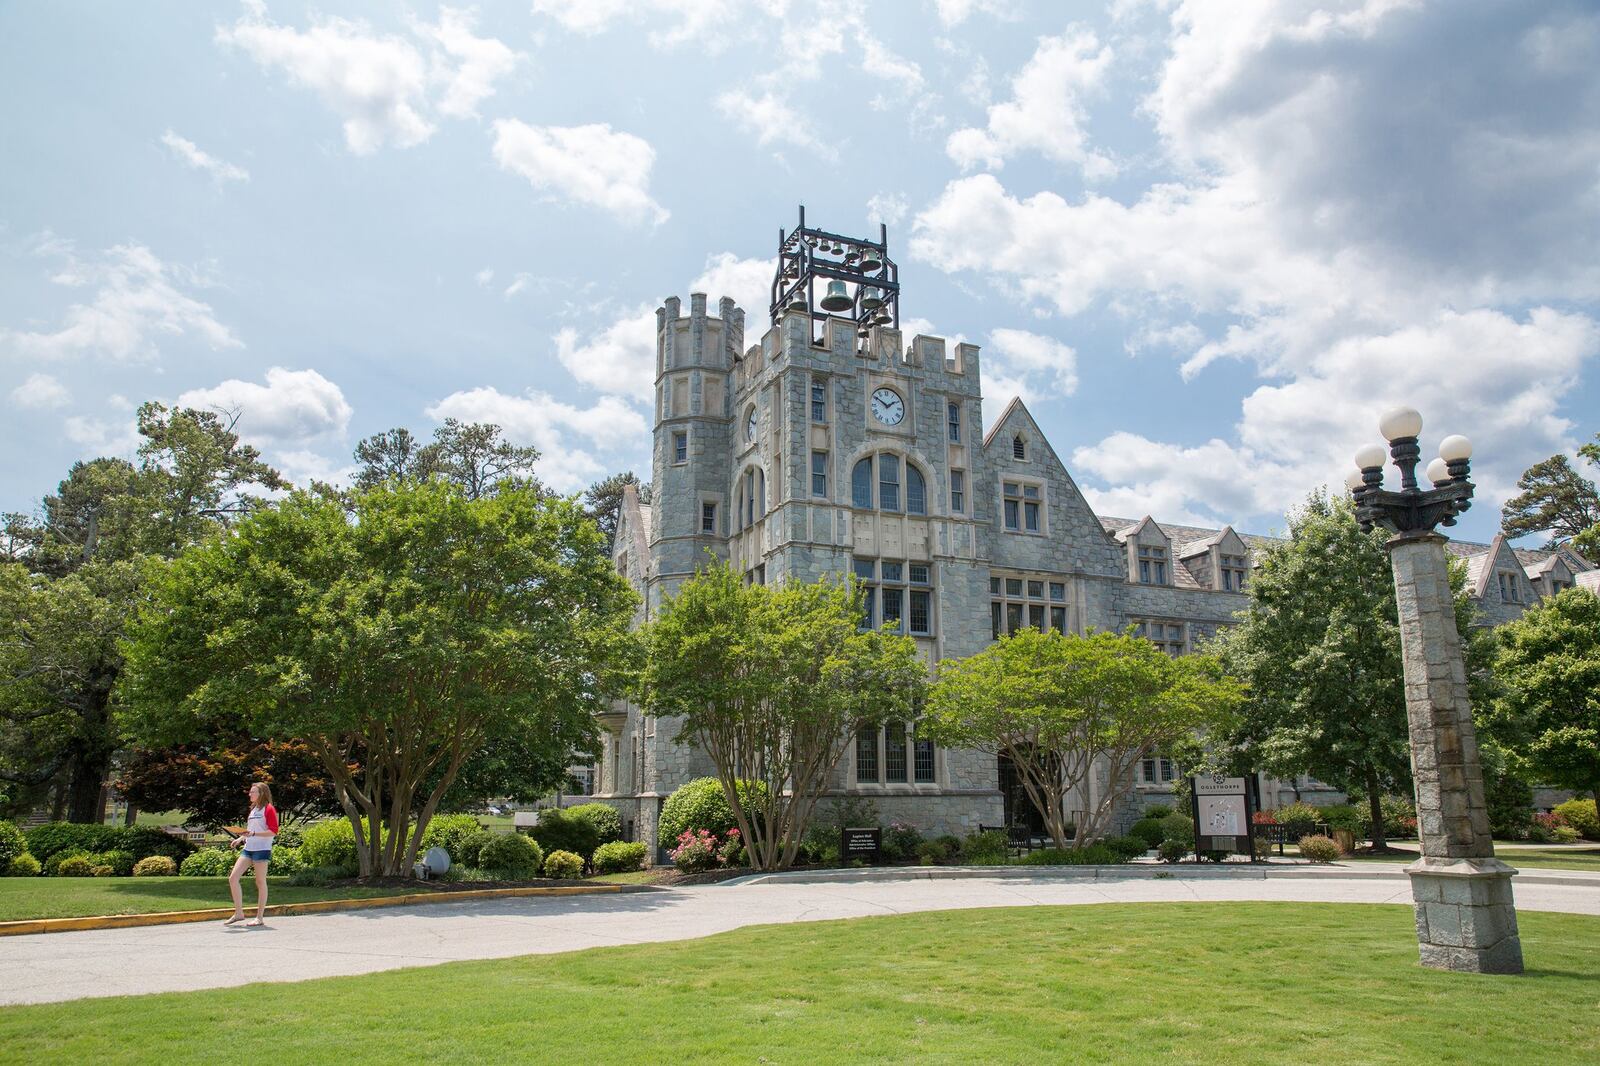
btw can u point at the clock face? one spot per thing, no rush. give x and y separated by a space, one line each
750 425
888 407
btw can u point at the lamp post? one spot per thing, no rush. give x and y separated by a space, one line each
1466 919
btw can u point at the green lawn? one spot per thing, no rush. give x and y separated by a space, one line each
1522 858
72 897
1110 983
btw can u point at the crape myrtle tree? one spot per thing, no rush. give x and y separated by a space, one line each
396 631
1318 647
772 682
1548 713
1061 706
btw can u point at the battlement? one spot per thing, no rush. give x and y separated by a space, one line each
698 339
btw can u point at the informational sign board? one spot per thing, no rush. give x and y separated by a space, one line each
860 844
1223 811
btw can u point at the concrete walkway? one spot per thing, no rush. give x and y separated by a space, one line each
64 966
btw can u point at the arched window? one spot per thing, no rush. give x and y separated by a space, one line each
916 491
861 484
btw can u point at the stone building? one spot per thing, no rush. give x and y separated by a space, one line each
833 444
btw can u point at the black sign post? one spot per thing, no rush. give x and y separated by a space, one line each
863 845
1224 810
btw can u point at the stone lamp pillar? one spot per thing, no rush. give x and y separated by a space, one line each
1466 919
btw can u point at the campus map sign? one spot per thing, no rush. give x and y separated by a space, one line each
1222 814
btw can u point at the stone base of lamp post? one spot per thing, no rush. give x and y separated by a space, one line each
1466 920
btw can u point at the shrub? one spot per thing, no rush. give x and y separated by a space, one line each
52 837
1399 817
1179 827
1156 810
310 877
104 871
1565 834
985 849
12 844
1344 816
1579 814
618 857
929 852
472 848
511 855
1172 850
699 805
563 865
75 866
900 841
1127 848
155 866
1089 855
52 865
731 851
287 861
451 832
208 862
24 865
1298 818
144 841
560 831
948 844
696 851
606 819
329 843
121 862
1319 848
1149 830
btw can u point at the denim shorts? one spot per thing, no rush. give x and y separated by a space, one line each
258 856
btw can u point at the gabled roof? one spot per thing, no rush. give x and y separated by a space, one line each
1190 536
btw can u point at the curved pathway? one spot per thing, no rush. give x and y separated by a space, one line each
63 966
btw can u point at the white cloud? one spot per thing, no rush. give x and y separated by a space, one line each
546 423
888 207
484 277
955 12
1045 113
138 298
302 466
40 391
772 121
95 436
188 152
591 164
1044 365
748 282
1356 253
694 19
292 408
381 85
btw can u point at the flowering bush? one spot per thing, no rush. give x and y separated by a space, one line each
731 851
696 851
1263 818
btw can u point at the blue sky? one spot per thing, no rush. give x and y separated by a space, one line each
1208 242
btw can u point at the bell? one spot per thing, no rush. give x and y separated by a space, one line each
797 302
871 260
792 270
851 258
871 298
838 249
837 299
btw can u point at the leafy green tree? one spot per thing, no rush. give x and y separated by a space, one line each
604 502
1062 707
474 456
772 682
1549 708
399 636
1556 499
1319 649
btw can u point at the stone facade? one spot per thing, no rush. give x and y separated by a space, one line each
770 456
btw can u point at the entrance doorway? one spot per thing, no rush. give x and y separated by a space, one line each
1020 810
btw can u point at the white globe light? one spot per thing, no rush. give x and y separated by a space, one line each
1438 471
1455 448
1354 480
1369 456
1400 422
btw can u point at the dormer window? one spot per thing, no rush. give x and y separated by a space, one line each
1233 568
1510 590
1019 447
1152 565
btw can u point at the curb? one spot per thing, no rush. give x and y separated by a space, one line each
29 926
1130 872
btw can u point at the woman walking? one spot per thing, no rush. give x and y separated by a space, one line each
255 850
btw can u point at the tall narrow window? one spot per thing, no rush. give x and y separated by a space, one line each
1030 508
1234 568
708 518
916 491
749 498
892 594
819 400
867 755
958 492
888 483
955 422
680 447
861 484
1152 565
894 753
1013 504
924 761
920 615
819 474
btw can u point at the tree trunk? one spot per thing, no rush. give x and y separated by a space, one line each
1379 841
83 803
132 815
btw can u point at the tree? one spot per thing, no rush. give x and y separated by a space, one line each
207 780
1556 499
1549 708
604 502
772 682
399 636
1062 708
473 456
1319 648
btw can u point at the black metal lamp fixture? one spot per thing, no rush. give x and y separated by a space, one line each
1412 511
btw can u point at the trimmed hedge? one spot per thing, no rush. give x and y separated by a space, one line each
451 832
54 838
23 865
472 848
563 865
698 804
618 857
511 855
75 866
1148 830
1344 816
155 866
1580 814
1127 848
329 843
1179 827
208 862
559 830
1172 850
1319 848
120 862
1299 819
606 819
1088 855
